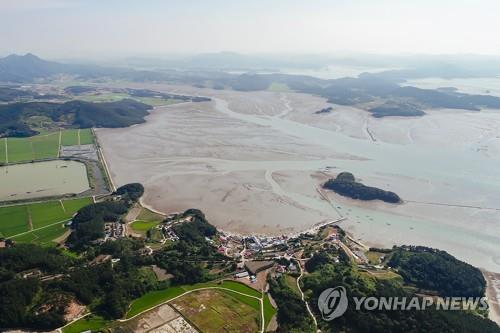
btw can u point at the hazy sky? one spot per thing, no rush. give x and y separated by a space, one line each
92 28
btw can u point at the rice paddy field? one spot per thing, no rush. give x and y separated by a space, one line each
42 146
216 311
38 222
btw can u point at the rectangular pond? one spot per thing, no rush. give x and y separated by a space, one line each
42 179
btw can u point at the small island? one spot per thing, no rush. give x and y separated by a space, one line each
345 184
324 110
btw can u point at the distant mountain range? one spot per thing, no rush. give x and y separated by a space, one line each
25 68
382 88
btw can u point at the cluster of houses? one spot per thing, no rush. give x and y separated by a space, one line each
113 230
168 233
256 243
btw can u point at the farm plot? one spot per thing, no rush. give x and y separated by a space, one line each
42 146
216 311
13 220
38 222
75 137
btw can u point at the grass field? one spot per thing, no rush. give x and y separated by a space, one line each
13 220
86 136
278 87
44 214
374 257
252 302
216 311
143 226
44 145
292 283
73 137
17 221
89 323
155 101
113 97
73 205
20 149
69 137
269 310
385 275
32 148
152 299
106 97
147 215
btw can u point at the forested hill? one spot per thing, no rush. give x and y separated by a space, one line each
432 269
73 114
357 282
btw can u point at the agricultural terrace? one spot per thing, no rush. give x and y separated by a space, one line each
38 222
42 146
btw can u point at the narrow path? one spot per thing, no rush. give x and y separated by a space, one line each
303 297
60 141
6 152
62 206
451 205
79 140
100 155
370 134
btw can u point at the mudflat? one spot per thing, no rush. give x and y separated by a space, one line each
254 161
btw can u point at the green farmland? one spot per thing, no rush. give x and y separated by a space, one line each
38 222
89 323
155 298
143 226
75 137
42 146
114 97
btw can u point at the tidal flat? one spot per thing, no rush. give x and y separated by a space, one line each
254 161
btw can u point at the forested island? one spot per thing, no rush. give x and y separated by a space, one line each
324 110
345 184
396 109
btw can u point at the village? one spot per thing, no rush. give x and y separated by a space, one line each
257 256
